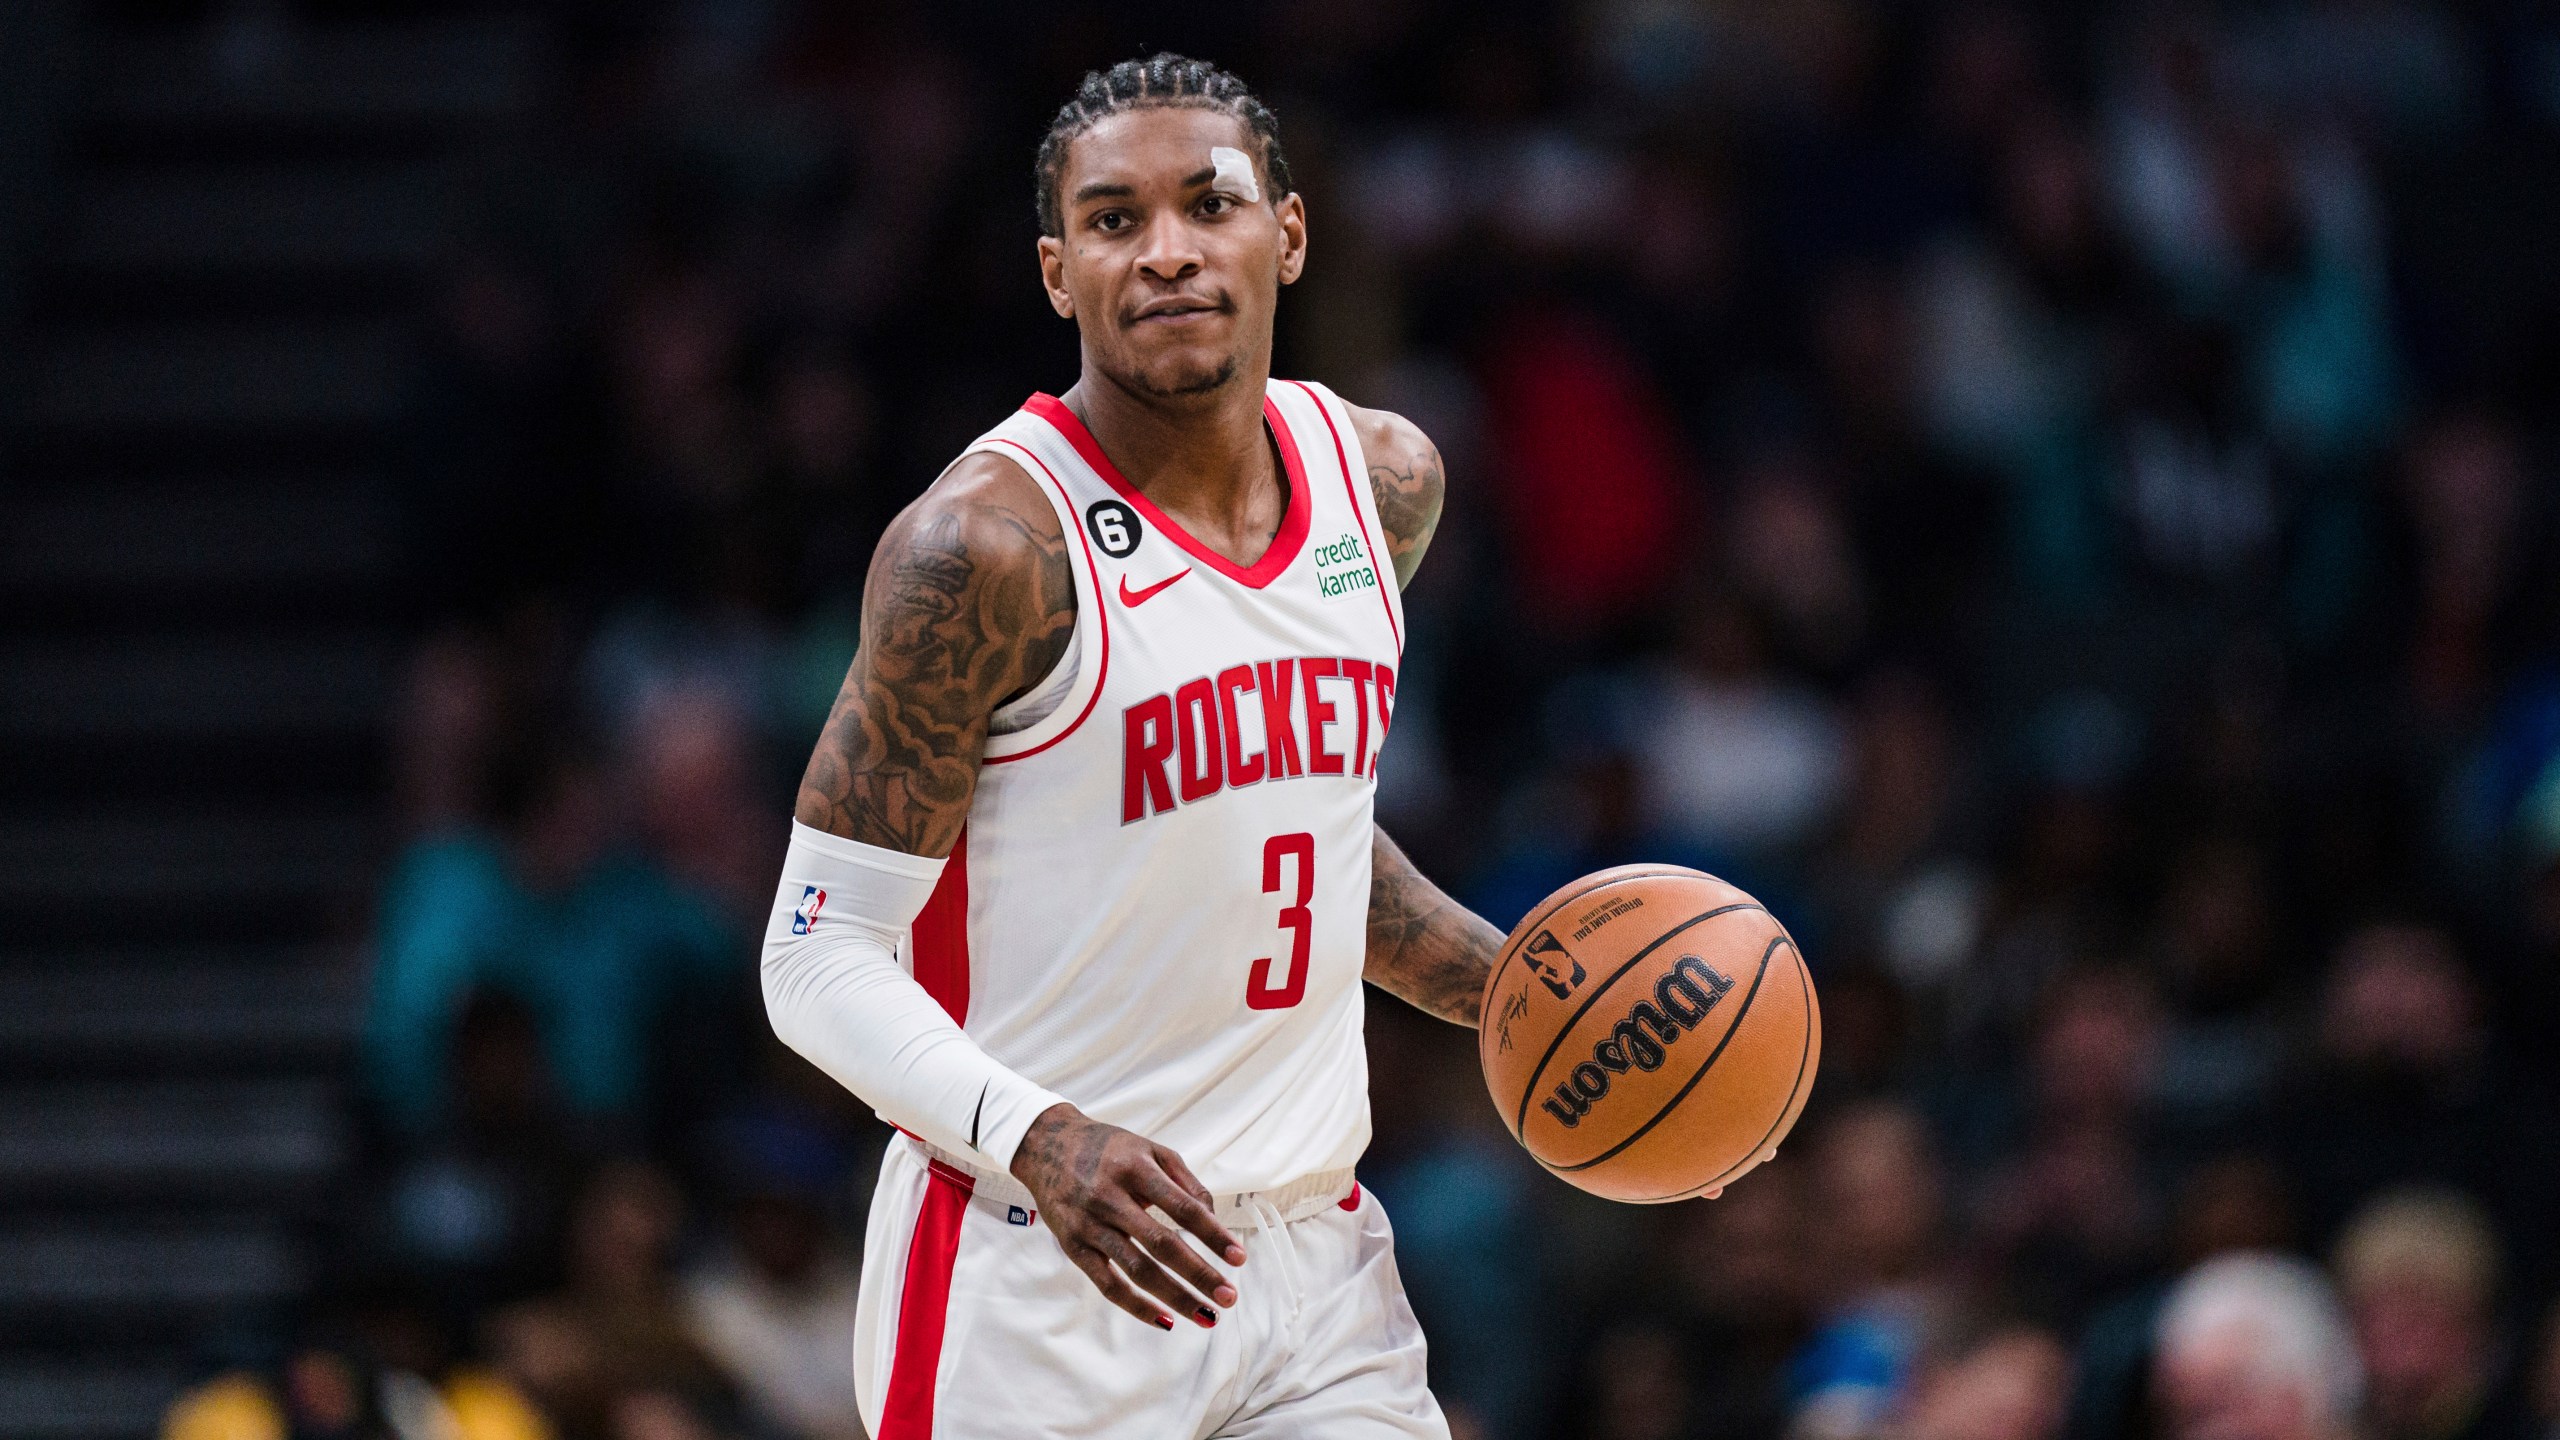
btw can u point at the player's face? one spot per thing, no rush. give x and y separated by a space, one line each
1169 270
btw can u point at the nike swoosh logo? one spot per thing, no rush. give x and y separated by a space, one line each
1135 598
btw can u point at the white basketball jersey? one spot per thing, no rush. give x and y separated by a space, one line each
1159 908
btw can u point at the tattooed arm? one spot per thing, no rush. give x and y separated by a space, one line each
1406 478
1423 946
969 603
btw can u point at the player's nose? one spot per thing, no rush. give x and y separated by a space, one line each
1171 251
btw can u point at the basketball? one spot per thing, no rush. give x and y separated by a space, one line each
1650 1033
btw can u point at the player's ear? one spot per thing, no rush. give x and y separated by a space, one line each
1293 237
1053 276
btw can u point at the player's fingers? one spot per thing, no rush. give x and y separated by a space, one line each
1193 1214
1114 1289
1202 1220
1716 1193
1167 1245
1155 1279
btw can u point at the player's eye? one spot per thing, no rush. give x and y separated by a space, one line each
1112 220
1216 204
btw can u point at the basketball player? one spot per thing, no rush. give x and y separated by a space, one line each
1084 880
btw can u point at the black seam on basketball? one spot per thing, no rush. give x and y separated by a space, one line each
1714 1055
1508 954
1658 941
1803 1053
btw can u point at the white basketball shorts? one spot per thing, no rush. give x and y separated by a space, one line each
974 1325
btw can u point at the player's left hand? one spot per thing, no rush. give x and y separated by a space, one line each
1095 1184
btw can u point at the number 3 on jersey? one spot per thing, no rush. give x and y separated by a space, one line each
1259 992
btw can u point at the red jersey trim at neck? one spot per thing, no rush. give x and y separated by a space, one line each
1293 520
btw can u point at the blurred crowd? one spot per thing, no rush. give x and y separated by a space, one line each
2057 499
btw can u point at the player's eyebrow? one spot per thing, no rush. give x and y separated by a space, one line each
1103 189
1198 178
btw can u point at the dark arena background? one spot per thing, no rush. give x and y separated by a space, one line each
2056 498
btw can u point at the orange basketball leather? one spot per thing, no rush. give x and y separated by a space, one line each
1650 1033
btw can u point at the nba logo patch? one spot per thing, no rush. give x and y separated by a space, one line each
1016 1215
807 915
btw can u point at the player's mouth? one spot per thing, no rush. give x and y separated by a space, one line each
1175 311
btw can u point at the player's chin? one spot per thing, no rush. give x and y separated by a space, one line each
1192 370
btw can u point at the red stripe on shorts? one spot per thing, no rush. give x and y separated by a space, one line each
923 1303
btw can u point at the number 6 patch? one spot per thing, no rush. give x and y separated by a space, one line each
1114 527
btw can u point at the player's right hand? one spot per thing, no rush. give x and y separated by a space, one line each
1095 1184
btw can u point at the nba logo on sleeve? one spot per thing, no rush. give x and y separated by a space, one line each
807 915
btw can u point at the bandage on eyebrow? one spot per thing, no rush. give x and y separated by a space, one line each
1235 171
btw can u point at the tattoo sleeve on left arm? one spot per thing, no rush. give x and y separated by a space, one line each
1423 946
1409 486
1406 480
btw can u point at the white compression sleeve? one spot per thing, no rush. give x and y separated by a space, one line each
836 993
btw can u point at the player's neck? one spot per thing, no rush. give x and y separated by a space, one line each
1205 460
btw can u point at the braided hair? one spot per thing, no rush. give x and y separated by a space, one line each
1163 79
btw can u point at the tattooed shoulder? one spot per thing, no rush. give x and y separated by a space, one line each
1405 475
969 602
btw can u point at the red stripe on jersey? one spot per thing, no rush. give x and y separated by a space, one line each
1293 519
1101 614
1342 462
923 1304
941 935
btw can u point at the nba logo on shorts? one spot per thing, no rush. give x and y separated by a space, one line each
807 914
1016 1215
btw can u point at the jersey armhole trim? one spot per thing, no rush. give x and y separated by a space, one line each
1089 678
1389 597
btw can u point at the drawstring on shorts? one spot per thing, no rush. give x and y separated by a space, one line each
1267 1218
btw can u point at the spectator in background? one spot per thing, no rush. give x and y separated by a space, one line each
2407 1088
2222 1043
1882 1277
1592 487
1591 817
1741 1269
2000 1382
471 1212
1735 759
1886 878
330 1388
2016 327
1788 556
2419 1270
545 906
1639 1384
2232 1204
2542 1379
616 1334
2072 1216
2253 1347
701 816
774 1302
2472 531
